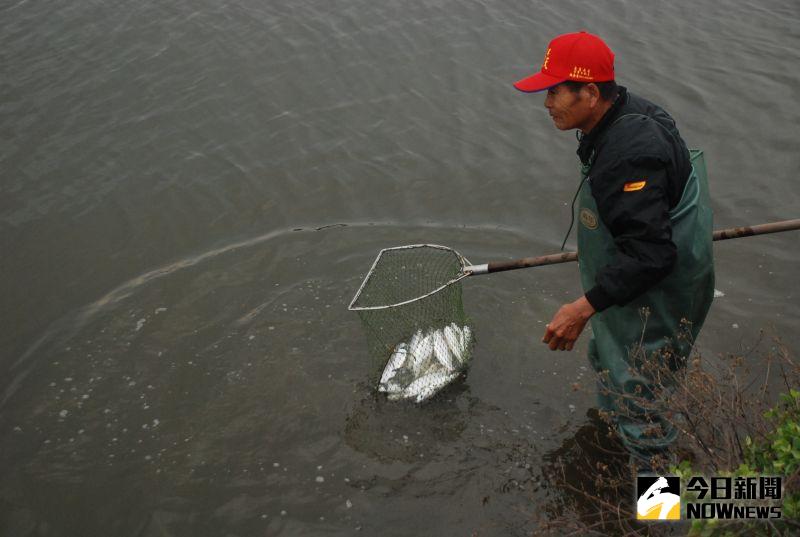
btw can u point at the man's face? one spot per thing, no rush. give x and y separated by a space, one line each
569 110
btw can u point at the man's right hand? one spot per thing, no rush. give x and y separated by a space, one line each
567 324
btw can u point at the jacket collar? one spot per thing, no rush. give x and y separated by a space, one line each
588 142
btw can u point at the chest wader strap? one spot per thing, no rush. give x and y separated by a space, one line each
585 168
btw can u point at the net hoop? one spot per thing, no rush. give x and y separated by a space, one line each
463 260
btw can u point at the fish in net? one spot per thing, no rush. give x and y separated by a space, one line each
411 309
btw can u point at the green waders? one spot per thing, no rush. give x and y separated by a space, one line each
665 320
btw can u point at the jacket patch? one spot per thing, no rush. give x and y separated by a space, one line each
588 218
633 186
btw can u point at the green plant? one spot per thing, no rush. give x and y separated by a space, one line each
776 454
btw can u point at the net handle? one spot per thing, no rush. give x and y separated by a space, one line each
566 257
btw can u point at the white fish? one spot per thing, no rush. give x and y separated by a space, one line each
467 338
413 343
395 362
442 351
427 363
426 386
460 334
390 388
423 351
433 389
451 336
418 341
416 387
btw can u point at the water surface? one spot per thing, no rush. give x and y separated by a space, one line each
192 193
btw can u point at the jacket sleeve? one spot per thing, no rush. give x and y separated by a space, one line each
637 215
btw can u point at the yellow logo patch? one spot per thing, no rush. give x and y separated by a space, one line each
633 186
588 219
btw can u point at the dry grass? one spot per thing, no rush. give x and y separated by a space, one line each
715 403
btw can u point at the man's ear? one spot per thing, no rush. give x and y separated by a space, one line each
592 92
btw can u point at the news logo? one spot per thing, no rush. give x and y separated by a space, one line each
659 498
709 498
734 498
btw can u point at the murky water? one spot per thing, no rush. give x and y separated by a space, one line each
192 192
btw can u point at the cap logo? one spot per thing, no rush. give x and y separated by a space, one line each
581 72
546 59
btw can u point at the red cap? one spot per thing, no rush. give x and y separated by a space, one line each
580 56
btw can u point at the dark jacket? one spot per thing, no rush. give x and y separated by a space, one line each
643 146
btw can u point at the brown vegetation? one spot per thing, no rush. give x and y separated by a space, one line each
715 403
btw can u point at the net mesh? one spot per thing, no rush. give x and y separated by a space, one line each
411 309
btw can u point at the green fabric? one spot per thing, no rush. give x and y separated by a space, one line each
665 335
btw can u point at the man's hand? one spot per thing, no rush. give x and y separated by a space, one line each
567 324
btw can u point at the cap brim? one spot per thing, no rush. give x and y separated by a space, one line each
538 82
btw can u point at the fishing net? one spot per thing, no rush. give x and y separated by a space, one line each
413 317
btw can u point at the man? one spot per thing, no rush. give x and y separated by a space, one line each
644 238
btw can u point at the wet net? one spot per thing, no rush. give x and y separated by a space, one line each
413 317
